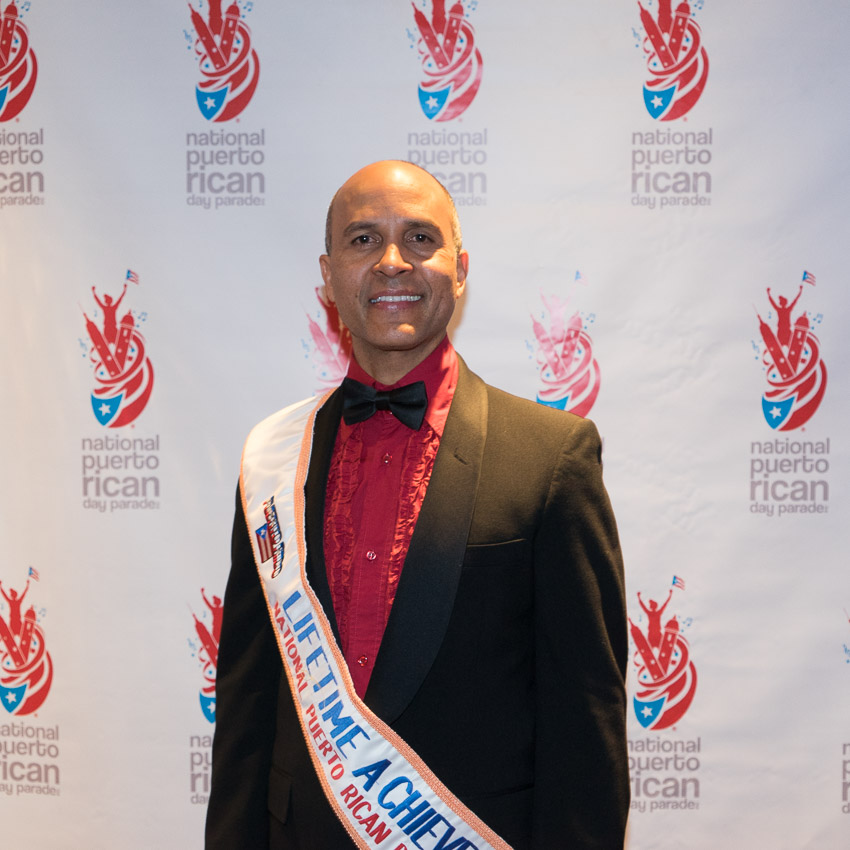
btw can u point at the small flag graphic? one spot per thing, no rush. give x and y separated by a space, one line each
264 542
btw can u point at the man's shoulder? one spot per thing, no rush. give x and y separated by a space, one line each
515 413
532 416
531 440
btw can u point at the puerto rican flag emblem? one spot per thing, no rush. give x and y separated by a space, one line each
264 542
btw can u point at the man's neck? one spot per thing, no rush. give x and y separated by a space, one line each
389 367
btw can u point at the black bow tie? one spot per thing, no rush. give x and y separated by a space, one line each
407 403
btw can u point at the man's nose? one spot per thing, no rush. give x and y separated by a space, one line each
392 262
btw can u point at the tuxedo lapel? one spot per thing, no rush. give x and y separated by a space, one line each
324 436
429 579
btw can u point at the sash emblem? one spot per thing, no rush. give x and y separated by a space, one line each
273 530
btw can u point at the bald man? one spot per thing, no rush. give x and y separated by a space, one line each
423 642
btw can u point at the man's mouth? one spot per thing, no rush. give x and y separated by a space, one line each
391 299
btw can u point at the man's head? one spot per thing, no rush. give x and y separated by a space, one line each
457 237
394 266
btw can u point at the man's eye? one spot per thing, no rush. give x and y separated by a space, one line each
362 239
421 237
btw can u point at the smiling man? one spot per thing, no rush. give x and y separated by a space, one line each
423 642
396 268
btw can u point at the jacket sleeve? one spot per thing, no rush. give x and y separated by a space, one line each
247 682
581 648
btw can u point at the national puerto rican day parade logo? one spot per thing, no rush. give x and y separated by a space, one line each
676 61
122 370
227 62
18 66
666 675
790 354
26 668
450 62
569 376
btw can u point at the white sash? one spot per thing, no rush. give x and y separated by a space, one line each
382 792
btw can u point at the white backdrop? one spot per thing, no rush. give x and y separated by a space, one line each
117 511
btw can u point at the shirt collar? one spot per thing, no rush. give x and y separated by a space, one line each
439 371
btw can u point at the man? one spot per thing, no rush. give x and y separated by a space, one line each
468 567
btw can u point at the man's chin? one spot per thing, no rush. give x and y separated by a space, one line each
395 347
399 338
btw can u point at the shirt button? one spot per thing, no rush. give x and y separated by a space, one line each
386 458
371 555
363 660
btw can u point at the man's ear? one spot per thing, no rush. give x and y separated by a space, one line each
325 266
462 271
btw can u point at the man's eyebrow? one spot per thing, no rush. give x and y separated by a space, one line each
358 225
410 224
424 224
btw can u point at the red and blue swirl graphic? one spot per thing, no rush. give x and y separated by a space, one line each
569 374
227 62
451 63
676 64
123 372
18 66
26 669
666 676
796 374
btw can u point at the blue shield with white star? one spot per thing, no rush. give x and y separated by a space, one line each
211 102
657 100
208 706
648 711
3 92
12 697
105 409
776 412
433 101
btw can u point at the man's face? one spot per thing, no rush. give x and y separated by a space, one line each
393 270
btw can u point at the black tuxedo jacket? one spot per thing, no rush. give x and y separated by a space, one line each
504 656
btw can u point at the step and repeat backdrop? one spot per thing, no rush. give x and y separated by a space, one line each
655 201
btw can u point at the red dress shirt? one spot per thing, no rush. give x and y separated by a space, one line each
379 473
